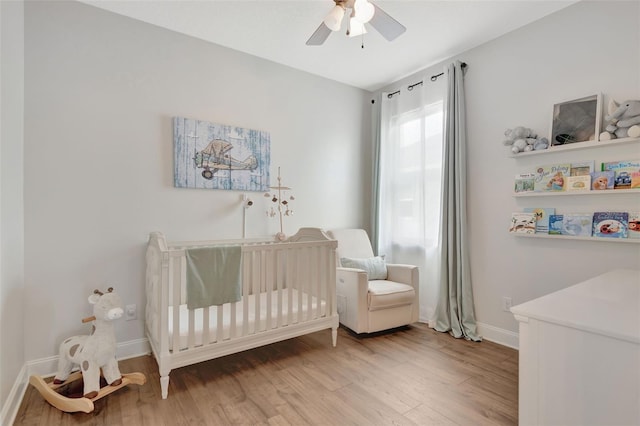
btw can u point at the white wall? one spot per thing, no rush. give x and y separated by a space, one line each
589 47
11 201
100 93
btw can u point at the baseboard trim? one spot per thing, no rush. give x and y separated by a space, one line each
44 367
12 404
489 332
47 367
133 348
498 335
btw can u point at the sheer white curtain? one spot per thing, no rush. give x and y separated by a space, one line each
410 167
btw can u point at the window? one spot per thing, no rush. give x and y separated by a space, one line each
410 176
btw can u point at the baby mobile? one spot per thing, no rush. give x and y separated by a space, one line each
282 204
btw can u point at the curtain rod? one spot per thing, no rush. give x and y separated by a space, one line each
435 77
411 86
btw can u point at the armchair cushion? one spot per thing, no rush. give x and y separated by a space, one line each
375 267
389 294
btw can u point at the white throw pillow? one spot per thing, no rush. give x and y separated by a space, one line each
375 267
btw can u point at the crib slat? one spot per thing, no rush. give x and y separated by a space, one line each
255 276
278 266
302 257
301 279
205 325
309 285
233 325
219 324
246 291
255 285
176 280
268 279
318 282
191 337
290 263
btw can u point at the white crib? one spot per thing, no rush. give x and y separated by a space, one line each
288 289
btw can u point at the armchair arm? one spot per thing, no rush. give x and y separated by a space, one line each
352 285
405 274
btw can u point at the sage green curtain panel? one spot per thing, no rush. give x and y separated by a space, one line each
375 195
455 310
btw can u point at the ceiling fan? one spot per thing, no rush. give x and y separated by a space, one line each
361 12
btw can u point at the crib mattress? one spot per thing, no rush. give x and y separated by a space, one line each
255 323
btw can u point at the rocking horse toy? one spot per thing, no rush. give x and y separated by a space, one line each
92 353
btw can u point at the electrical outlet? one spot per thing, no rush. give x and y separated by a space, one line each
506 304
131 313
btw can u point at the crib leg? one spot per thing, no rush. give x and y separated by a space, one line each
334 336
164 386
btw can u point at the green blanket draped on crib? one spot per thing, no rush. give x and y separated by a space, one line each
213 276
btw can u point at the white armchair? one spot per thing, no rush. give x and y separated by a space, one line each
375 300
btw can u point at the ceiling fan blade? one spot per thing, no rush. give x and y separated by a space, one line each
386 25
319 36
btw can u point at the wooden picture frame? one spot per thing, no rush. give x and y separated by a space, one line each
576 120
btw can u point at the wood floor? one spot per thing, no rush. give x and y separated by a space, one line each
411 376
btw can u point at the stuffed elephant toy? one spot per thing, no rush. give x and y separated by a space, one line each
624 119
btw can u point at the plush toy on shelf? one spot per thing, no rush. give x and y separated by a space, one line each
624 120
93 353
522 139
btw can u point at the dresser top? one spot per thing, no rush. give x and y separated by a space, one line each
608 304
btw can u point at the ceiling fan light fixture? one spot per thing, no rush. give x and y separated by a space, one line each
334 19
363 11
356 27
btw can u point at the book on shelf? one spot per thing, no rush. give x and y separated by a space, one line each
523 223
583 168
524 182
634 225
623 171
579 183
551 177
635 180
555 224
602 180
610 224
542 218
577 224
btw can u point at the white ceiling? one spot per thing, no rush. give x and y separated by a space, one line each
278 30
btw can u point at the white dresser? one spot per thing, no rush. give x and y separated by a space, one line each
580 353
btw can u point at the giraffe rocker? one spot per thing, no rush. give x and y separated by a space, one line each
92 353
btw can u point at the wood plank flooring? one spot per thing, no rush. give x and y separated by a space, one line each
409 376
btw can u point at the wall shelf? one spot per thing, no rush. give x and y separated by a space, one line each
629 199
569 237
576 146
570 193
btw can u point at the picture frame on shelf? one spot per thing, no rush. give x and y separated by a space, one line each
576 120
